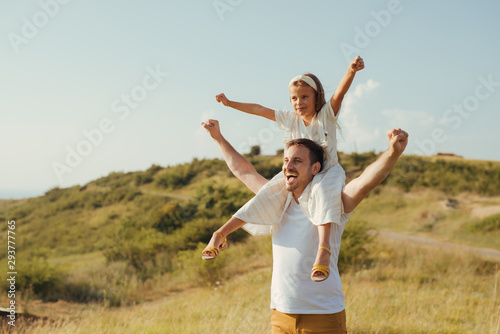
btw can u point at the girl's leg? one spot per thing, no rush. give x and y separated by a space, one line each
221 234
323 255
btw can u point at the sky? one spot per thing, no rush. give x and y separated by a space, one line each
93 87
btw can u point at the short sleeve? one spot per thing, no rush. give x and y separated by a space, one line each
328 113
284 119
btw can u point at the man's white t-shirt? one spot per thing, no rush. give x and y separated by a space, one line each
295 245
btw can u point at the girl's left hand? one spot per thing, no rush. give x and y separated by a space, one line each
357 64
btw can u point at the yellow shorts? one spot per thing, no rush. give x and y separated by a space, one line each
284 323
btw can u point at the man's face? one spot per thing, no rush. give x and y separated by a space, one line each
298 170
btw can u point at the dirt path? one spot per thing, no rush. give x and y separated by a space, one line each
486 252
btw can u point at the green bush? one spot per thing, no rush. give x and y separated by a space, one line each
488 224
353 247
172 216
255 150
216 200
175 177
266 167
54 194
114 285
143 178
36 276
137 246
449 176
189 265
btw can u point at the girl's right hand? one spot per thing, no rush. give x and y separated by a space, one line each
222 98
357 64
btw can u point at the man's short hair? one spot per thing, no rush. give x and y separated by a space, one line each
316 151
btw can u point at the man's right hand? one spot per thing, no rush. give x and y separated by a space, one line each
212 127
222 98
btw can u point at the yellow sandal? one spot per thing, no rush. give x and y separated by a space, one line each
325 270
215 251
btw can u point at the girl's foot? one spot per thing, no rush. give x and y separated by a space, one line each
215 246
321 267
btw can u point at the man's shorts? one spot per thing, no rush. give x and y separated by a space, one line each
284 323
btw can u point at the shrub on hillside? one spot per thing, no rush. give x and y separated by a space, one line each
355 162
353 247
54 194
216 200
171 216
124 193
175 177
181 175
137 246
362 160
190 266
141 178
38 277
488 224
268 170
154 169
114 285
114 180
254 150
192 233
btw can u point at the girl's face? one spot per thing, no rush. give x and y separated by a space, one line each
303 99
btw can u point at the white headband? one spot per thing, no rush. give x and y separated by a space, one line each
306 79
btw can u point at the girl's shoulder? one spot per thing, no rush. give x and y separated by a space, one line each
327 114
285 113
327 109
284 117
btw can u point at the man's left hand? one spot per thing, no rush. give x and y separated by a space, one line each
398 139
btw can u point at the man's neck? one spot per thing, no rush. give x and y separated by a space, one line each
296 196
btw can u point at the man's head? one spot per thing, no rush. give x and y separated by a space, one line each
303 159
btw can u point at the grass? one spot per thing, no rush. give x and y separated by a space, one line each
425 212
407 289
126 247
416 289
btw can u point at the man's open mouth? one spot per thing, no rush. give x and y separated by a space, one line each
291 178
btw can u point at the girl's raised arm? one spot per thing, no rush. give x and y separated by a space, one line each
336 101
249 108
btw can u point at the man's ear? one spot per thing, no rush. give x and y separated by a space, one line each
316 168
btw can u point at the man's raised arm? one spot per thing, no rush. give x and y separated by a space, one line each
239 166
375 173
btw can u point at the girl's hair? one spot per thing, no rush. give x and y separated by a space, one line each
319 93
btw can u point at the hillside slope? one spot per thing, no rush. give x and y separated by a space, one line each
127 229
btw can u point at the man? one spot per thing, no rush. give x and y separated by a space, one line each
298 304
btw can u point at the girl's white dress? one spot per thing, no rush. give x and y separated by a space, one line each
321 200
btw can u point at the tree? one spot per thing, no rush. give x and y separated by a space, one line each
255 150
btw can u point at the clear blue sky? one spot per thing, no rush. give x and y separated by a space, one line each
145 73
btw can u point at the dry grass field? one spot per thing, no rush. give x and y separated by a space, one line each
406 289
122 253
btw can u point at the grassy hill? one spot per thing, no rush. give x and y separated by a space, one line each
128 238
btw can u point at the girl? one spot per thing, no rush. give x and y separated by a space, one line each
315 119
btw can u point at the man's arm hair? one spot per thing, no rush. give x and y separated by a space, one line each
354 192
239 166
